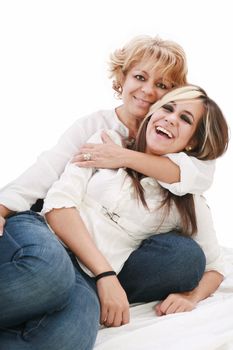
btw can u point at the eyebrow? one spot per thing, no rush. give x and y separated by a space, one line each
141 71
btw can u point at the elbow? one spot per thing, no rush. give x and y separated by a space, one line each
51 216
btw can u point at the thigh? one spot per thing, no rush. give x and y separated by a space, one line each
28 228
73 327
36 273
163 264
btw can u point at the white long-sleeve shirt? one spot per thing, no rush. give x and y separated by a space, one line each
34 183
114 217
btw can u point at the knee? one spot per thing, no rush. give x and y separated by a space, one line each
49 268
42 275
73 327
189 260
189 253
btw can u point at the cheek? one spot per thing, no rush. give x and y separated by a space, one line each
160 93
187 137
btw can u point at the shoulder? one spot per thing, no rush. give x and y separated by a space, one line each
87 125
103 116
114 135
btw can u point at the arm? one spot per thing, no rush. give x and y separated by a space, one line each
4 212
187 301
34 183
214 272
66 196
71 229
177 172
112 156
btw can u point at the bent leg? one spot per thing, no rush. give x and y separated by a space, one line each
163 264
36 273
71 328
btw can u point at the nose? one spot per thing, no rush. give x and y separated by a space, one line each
149 89
172 119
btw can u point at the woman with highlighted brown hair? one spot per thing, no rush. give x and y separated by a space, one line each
103 218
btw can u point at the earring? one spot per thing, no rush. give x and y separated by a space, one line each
117 86
188 148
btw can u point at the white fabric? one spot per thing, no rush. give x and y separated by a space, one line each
208 327
117 220
20 194
192 171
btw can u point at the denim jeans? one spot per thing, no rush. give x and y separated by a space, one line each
47 302
163 264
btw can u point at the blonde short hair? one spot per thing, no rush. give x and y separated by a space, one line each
165 56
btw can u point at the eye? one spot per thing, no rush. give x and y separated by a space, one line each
140 77
186 118
168 108
161 86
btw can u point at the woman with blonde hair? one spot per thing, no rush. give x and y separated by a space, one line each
33 261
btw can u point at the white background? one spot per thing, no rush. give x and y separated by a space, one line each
53 69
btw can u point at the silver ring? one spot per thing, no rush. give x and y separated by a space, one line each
86 156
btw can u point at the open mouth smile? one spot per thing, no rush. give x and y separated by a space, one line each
162 131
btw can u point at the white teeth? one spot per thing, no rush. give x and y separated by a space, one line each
159 128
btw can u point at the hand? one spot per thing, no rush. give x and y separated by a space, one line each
2 223
113 301
107 155
174 303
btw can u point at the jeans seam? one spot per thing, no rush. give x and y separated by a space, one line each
26 333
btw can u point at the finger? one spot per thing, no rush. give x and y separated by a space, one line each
85 164
84 150
110 318
88 146
80 158
165 304
103 315
125 317
106 138
158 310
2 223
117 322
181 309
77 158
172 309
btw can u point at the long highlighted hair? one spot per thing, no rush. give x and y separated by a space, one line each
210 139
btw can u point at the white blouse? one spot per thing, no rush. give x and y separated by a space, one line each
116 219
34 183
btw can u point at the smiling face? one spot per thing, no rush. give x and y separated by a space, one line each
142 87
171 128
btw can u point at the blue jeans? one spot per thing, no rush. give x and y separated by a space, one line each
163 264
46 301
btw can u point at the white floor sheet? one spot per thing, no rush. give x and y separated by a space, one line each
208 327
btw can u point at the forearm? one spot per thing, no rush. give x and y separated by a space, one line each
187 301
158 167
209 283
70 228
